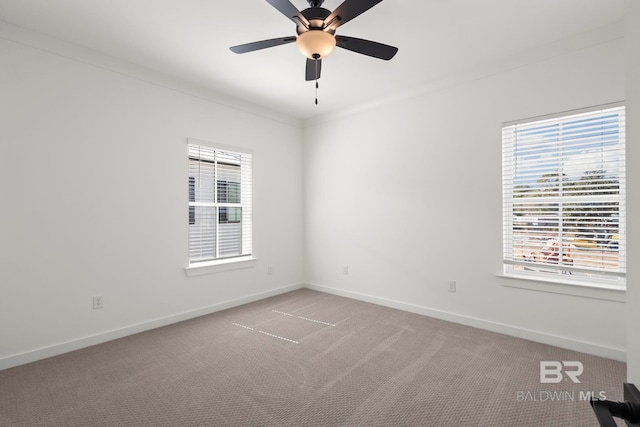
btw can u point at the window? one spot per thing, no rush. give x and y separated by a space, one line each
219 203
564 197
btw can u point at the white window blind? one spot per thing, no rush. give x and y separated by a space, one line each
564 196
219 203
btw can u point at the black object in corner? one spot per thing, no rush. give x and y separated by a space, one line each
629 410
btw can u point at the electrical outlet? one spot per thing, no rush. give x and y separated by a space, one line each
452 285
345 269
98 302
270 270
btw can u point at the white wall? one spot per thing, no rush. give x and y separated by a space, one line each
93 183
408 196
632 39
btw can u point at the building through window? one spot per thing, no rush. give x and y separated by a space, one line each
219 203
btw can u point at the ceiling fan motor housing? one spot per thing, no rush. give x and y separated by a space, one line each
316 17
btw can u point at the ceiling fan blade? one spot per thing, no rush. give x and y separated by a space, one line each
366 47
348 10
263 44
311 72
290 11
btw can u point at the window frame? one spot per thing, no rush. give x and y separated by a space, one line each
245 258
533 278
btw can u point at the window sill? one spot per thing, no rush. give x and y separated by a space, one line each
581 289
217 266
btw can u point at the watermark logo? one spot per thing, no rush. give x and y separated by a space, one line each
554 371
559 396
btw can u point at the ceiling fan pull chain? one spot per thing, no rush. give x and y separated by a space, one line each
316 78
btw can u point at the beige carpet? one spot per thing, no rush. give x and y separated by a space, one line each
306 359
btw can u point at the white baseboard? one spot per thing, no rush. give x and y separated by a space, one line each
541 337
77 344
65 347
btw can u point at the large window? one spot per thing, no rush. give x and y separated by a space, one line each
219 203
564 197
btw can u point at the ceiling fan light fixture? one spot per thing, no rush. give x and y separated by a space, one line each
316 44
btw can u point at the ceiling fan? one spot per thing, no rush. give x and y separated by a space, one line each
316 27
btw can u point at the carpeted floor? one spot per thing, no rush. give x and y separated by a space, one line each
307 359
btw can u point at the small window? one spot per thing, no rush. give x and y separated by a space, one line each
219 203
564 197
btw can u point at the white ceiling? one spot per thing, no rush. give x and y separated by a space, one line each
190 39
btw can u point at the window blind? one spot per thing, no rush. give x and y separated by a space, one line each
220 193
564 196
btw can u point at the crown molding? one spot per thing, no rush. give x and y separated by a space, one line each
61 48
546 52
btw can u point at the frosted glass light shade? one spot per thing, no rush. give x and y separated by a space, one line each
315 42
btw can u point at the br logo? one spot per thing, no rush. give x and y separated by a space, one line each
553 371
